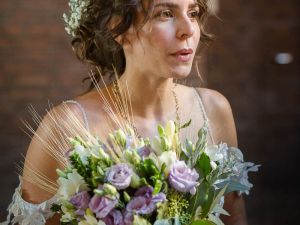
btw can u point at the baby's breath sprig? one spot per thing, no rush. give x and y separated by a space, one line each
78 12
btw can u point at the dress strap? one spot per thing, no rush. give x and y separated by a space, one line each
83 113
204 114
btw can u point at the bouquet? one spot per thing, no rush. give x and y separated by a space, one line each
158 180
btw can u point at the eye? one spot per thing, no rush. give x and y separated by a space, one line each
165 14
194 14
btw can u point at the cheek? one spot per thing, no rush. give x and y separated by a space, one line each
160 38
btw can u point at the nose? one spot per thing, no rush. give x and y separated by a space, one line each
186 28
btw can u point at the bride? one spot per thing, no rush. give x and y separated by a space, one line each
150 43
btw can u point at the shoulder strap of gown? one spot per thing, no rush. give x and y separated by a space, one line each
83 113
204 114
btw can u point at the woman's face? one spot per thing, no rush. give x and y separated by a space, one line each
168 41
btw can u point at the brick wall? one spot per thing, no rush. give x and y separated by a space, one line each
264 97
37 63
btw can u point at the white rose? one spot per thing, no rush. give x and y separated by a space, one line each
71 186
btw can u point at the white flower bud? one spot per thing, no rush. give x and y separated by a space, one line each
135 181
61 173
72 141
128 155
121 138
129 130
136 158
156 145
109 189
103 155
126 196
141 142
165 144
170 128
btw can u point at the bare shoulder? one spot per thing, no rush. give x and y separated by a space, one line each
220 114
45 149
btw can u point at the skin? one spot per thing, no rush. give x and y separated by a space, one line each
150 69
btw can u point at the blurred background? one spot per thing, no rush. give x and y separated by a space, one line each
255 65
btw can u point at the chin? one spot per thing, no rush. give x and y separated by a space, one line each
181 73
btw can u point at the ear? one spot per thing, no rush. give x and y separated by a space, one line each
121 39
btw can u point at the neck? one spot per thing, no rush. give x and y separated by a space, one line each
151 96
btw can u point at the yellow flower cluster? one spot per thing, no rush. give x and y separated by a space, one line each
177 205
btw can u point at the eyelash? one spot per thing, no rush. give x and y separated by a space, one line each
168 11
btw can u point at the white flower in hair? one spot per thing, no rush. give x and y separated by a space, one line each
78 12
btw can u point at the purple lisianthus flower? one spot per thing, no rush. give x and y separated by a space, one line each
182 178
144 151
102 206
67 155
143 203
81 202
119 176
115 217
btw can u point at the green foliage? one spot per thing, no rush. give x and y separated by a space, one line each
232 186
220 210
215 219
200 197
83 170
209 201
202 222
205 164
55 208
186 125
149 171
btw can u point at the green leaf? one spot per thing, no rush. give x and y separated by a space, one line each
55 208
217 199
220 210
183 157
202 222
140 221
186 125
205 164
163 167
215 219
210 199
199 171
232 186
224 175
189 147
199 199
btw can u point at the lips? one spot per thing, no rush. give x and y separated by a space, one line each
183 55
184 52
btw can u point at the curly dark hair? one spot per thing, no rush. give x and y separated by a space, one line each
96 43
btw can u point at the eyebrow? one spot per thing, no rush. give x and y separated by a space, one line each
176 6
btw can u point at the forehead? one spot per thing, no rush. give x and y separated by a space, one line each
179 3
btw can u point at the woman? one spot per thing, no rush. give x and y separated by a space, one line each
159 40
